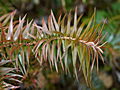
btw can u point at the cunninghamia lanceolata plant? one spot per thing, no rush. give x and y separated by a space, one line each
60 44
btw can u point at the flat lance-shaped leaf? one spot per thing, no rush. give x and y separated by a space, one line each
16 80
3 17
10 30
80 29
44 27
15 75
74 58
75 23
19 28
5 70
62 24
27 29
6 20
2 62
22 64
55 22
87 28
68 24
75 20
51 24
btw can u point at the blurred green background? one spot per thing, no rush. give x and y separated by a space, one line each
108 77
